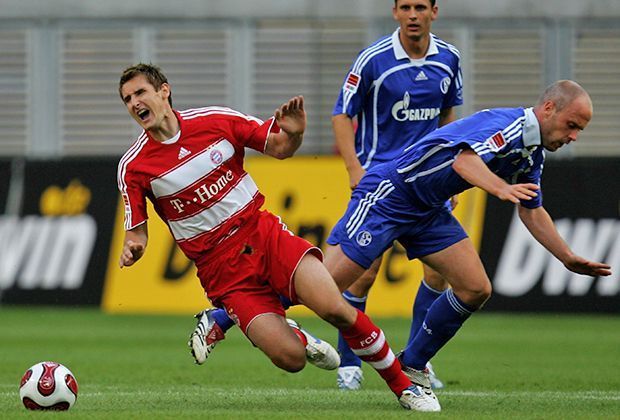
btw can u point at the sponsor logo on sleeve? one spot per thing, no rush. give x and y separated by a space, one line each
496 141
352 82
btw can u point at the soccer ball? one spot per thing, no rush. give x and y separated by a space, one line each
48 386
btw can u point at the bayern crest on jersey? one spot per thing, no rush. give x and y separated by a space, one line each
216 157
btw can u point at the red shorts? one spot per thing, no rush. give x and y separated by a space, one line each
247 278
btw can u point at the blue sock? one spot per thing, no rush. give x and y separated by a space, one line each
444 318
423 300
222 319
347 357
286 302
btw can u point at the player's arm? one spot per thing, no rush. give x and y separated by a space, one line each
291 118
469 166
134 245
542 228
344 134
446 116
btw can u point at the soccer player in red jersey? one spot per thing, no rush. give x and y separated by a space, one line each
189 164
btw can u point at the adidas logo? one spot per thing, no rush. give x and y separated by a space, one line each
421 76
183 153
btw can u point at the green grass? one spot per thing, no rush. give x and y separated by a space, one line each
138 367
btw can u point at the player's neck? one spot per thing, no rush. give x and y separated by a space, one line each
168 128
416 48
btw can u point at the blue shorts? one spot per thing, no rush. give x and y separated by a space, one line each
381 211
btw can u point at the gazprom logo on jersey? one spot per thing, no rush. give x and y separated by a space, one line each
401 111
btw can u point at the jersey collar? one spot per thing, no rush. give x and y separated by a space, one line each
531 129
400 53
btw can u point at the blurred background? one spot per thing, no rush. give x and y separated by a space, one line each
63 129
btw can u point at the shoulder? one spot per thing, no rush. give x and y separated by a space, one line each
378 50
132 156
446 49
133 153
214 113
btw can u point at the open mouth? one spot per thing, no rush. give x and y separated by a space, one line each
143 114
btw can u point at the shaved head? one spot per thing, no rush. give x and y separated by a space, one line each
563 110
562 93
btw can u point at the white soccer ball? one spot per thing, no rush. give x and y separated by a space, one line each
48 386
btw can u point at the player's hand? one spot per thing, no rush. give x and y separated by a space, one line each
132 252
291 116
515 193
355 176
580 265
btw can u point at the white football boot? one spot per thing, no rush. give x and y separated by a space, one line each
318 352
350 378
413 398
422 380
435 381
205 336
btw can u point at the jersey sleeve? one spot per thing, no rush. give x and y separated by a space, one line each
134 198
252 132
354 88
454 96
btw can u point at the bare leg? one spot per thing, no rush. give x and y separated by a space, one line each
271 334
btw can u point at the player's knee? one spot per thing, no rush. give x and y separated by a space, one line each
290 361
480 293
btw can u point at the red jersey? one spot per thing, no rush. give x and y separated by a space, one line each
197 184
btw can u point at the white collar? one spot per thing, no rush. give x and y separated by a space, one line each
531 129
400 53
173 139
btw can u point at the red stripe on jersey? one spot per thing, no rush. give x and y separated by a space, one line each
498 139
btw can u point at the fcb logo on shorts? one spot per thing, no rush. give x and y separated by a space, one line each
216 157
364 238
352 82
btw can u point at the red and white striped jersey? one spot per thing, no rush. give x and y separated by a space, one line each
197 184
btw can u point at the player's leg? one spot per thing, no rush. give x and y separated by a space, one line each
316 289
211 327
431 287
460 265
350 375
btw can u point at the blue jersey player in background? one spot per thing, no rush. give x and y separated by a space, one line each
501 151
400 88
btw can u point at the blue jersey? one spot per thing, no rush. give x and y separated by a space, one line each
396 99
404 200
506 139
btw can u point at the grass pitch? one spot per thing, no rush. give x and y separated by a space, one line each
138 367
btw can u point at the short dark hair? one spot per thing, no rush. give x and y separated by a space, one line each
153 75
432 3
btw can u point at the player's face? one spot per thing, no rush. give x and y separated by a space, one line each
563 127
414 17
146 105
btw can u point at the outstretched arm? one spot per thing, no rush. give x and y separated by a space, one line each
542 228
135 245
472 169
291 117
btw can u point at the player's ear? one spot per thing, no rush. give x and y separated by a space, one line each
165 90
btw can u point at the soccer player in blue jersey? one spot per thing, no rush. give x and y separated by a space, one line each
400 88
499 150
